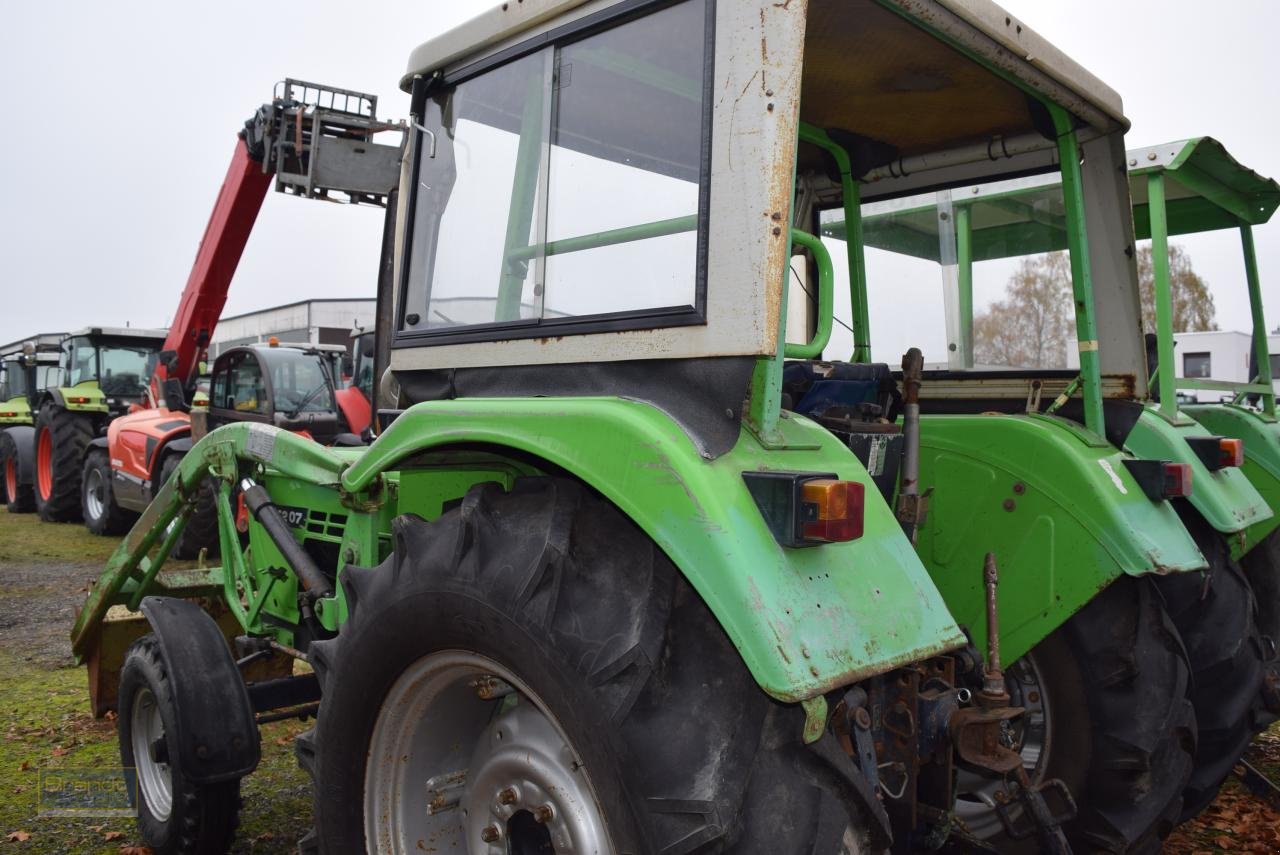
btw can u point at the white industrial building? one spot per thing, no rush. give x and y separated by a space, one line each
1220 355
308 321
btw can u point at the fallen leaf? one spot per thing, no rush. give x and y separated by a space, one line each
18 837
113 835
135 850
58 751
24 766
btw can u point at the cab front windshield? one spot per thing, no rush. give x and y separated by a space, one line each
121 368
299 382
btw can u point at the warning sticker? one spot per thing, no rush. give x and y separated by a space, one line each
261 442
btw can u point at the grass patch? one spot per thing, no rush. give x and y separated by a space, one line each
24 538
50 727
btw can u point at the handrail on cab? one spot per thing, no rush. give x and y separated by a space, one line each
826 290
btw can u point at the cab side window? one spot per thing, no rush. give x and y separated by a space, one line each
240 387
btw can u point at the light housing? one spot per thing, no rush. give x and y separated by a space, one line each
1161 479
808 508
1231 451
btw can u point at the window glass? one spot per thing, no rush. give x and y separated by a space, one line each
299 382
241 387
81 360
1196 365
977 278
125 370
565 183
625 155
15 380
1275 366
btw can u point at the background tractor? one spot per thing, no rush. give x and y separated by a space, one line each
621 570
103 373
318 143
26 367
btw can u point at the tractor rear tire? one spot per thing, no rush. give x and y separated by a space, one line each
201 531
1106 697
19 498
1216 616
591 634
102 515
175 817
1262 568
62 437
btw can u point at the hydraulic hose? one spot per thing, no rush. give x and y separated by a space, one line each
259 503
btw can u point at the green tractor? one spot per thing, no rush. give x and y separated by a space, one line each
1194 186
26 368
630 569
969 233
103 372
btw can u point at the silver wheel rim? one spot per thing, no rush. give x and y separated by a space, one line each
464 757
155 781
93 497
978 795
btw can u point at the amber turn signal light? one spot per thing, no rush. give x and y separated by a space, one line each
831 511
1232 451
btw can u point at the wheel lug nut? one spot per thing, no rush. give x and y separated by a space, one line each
544 814
490 834
507 797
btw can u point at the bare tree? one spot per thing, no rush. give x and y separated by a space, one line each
1193 309
1035 322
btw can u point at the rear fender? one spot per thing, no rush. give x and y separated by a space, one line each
1261 436
1225 498
1056 506
805 621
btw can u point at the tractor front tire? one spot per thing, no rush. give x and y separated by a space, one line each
201 531
534 670
19 498
1217 618
1107 714
62 437
175 816
102 515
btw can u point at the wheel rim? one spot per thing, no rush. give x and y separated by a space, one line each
451 770
94 493
10 479
44 464
978 795
150 753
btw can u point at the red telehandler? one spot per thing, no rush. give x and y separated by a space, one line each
317 142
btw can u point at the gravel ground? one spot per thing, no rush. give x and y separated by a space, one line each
38 605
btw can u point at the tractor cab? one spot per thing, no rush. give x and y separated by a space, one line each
107 370
289 387
26 368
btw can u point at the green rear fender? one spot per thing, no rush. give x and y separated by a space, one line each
1055 505
806 621
1261 437
1225 498
15 411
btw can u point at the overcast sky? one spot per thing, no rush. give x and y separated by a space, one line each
124 117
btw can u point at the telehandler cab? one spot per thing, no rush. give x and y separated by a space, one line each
620 573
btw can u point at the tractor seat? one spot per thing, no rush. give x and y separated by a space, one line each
865 391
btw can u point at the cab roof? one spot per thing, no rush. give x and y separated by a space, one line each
1206 189
123 332
980 27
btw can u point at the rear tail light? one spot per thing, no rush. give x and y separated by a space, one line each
808 508
831 511
12 415
1177 480
1232 452
1161 479
78 399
